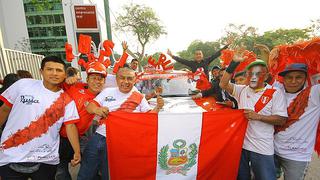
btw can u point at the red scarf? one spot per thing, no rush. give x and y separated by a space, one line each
295 109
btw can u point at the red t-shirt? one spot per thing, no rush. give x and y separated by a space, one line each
81 96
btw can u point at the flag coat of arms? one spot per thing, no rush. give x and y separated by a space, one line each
188 145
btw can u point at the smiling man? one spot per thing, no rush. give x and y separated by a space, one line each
295 140
264 106
36 110
123 98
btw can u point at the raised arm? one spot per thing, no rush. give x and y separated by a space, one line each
181 60
215 55
227 75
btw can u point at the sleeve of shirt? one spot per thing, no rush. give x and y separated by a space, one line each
315 90
183 61
208 60
279 106
237 90
10 95
71 115
144 105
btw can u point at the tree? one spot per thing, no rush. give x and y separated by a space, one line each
315 27
248 36
23 45
142 22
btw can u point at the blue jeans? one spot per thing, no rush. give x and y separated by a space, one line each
94 159
261 165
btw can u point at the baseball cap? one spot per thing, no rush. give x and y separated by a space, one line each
294 67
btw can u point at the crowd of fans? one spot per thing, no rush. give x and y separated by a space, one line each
47 124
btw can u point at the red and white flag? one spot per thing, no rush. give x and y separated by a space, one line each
199 145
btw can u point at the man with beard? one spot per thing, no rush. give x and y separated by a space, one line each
264 107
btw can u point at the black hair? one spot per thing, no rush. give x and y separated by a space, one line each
24 74
53 59
134 60
72 71
215 67
8 80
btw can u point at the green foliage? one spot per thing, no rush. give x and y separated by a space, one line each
315 27
44 5
163 157
192 157
142 22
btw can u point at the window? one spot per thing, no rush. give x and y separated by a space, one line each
57 19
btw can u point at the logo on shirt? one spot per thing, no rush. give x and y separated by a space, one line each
110 98
28 99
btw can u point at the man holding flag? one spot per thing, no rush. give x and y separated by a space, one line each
123 98
264 106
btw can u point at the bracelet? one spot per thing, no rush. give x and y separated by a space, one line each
232 66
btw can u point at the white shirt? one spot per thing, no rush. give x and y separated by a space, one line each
298 140
30 100
113 99
259 135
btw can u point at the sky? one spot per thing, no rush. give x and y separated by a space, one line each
186 20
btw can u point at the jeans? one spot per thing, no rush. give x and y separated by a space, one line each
94 159
293 170
262 166
46 171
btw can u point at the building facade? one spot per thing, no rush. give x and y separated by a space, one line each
46 27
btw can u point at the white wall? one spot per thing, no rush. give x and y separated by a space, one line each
12 22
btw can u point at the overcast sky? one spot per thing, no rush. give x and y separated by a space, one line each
187 20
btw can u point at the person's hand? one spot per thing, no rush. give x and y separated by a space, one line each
196 96
252 115
72 80
158 90
239 55
124 45
160 102
169 53
101 111
76 159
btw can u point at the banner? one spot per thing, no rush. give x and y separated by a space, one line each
175 145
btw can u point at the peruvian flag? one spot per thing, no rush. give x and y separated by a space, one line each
191 145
